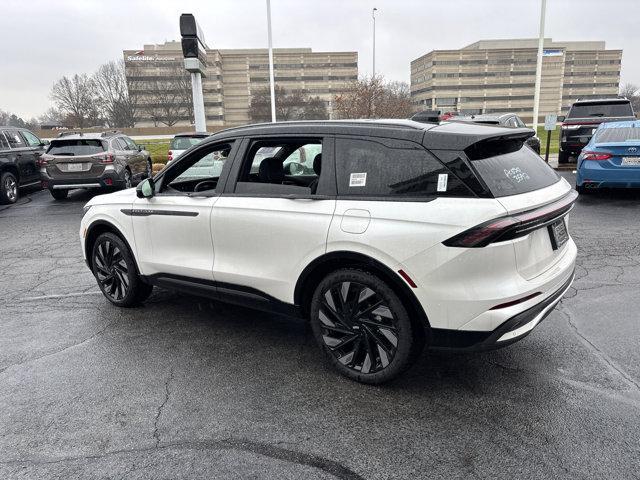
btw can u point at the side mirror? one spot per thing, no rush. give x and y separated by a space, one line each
561 118
139 148
145 189
44 143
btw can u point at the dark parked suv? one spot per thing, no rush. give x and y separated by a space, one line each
583 120
20 150
104 160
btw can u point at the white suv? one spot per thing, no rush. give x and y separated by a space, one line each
386 235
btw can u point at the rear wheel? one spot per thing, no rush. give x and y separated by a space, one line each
8 188
127 179
563 157
59 194
362 326
115 270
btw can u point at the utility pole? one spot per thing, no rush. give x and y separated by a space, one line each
536 95
271 77
373 15
194 50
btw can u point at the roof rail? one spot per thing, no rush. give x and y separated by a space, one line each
110 132
64 134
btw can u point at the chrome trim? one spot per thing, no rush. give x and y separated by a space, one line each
77 185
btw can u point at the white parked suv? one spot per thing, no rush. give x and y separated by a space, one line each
386 235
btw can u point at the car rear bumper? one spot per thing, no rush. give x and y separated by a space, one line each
601 174
513 329
108 179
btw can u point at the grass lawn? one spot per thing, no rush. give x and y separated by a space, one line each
542 135
157 147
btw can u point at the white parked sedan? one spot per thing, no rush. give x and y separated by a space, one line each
181 142
385 235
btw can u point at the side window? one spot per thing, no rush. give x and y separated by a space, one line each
15 140
281 167
512 122
130 143
31 139
3 141
520 123
369 168
122 145
198 172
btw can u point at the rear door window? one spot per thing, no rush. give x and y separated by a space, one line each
75 147
393 169
3 141
583 110
14 139
516 172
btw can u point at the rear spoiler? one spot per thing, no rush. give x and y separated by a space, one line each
461 136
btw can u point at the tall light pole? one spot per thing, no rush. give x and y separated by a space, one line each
536 94
373 15
272 85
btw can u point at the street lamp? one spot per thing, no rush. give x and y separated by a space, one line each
373 15
271 79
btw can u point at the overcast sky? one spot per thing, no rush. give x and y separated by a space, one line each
42 40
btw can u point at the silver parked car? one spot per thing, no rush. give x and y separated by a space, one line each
104 160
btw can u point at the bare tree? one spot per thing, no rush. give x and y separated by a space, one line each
164 99
115 104
75 97
289 106
632 92
374 98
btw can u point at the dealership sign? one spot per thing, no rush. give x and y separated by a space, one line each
552 53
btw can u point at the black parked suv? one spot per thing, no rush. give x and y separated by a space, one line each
20 150
104 160
583 120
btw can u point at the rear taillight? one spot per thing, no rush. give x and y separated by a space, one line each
587 155
512 226
170 156
107 158
43 160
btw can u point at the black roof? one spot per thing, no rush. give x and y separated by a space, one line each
193 134
446 135
602 100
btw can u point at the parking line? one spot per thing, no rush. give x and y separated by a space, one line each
63 295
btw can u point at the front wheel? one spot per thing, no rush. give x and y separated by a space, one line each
362 326
115 270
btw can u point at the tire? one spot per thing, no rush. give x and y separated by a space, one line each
113 266
8 188
350 340
59 194
563 157
127 179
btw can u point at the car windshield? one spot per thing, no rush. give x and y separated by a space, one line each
582 110
183 143
75 147
623 134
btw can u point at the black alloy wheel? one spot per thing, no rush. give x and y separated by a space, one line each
111 270
363 327
115 271
8 188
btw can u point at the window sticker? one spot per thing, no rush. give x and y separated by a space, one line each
516 174
358 180
443 179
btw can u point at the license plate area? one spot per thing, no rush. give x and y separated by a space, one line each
74 167
631 161
558 233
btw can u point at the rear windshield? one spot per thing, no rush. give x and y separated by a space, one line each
583 110
515 172
75 147
628 134
182 143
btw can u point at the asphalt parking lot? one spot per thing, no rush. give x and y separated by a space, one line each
185 388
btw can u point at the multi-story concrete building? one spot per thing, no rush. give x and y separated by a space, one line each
156 76
492 76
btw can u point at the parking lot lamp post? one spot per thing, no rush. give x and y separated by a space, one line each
272 86
373 15
536 94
